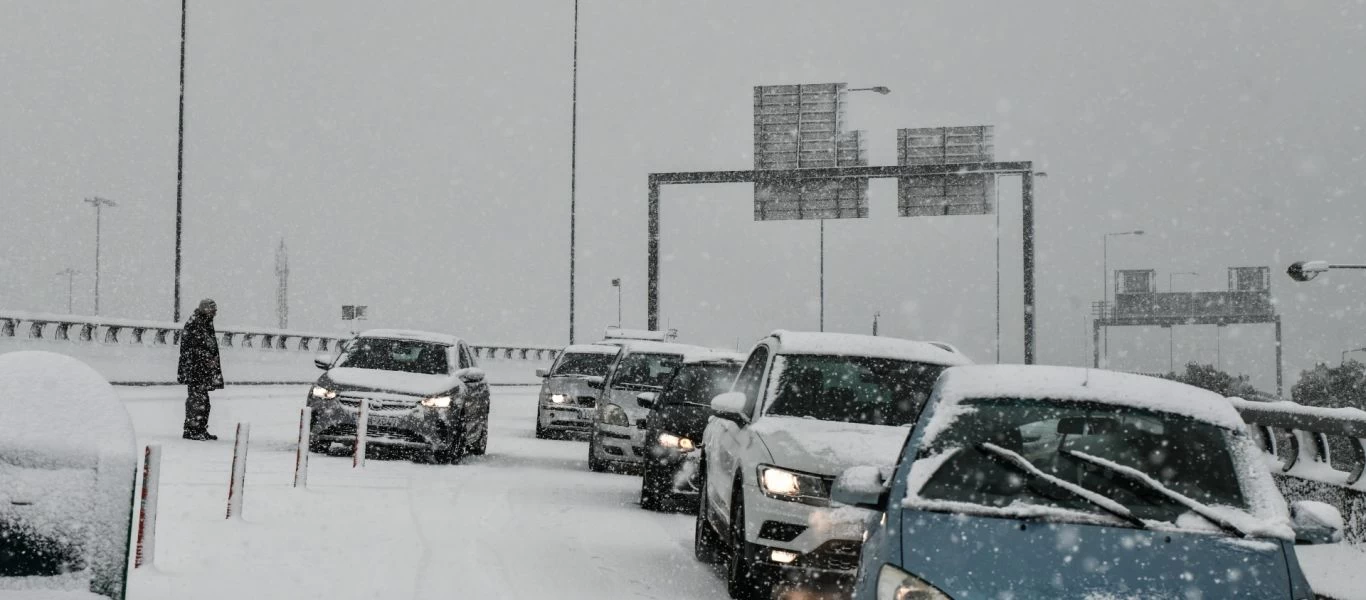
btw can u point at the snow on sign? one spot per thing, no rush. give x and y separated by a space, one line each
67 466
801 127
932 195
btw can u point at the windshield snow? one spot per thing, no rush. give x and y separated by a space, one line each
852 389
585 364
424 358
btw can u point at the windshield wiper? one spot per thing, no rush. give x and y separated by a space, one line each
1147 481
636 386
1023 465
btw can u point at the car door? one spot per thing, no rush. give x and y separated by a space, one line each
725 441
478 391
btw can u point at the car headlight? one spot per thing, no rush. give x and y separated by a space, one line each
796 487
322 393
613 414
895 584
437 402
558 398
679 443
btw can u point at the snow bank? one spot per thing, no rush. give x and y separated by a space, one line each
67 465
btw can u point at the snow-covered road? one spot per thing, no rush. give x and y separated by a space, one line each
528 520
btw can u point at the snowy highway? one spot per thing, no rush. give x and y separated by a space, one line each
528 520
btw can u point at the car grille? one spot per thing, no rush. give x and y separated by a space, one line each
587 401
780 532
389 433
834 555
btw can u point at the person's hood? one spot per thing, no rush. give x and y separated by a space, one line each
828 447
398 382
992 557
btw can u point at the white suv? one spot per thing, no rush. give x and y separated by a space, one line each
805 407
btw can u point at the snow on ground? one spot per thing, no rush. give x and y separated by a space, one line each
528 520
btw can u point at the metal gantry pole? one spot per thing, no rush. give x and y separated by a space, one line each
180 166
573 169
1027 194
822 252
652 258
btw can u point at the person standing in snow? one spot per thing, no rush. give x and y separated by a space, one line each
200 369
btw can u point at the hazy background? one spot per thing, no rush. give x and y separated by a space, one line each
415 158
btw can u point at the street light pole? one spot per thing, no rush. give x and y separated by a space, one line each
99 203
179 167
1105 283
573 167
616 283
70 286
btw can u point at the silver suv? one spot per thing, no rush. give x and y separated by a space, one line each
570 388
618 434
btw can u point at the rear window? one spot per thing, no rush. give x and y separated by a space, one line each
646 370
408 356
852 389
698 384
584 364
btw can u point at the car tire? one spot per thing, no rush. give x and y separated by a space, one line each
483 445
649 487
744 577
317 446
705 540
453 453
541 432
594 464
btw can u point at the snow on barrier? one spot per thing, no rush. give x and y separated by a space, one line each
147 512
237 486
362 434
1315 454
301 451
68 464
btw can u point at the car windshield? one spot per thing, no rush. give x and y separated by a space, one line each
649 370
426 358
588 364
852 389
699 383
1063 439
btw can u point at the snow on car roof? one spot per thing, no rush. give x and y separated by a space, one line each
712 355
652 347
407 334
1092 385
57 411
591 349
840 344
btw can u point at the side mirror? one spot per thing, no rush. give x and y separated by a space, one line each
542 373
323 361
1316 522
594 382
731 407
862 486
470 375
646 399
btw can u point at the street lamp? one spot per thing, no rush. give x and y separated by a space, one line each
1345 352
99 203
70 282
1306 270
573 167
1105 281
616 283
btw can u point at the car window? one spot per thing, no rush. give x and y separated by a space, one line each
1189 456
648 370
409 356
851 389
589 364
750 379
698 384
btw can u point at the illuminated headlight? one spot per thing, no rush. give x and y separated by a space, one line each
681 444
558 398
323 393
787 485
895 584
437 402
783 556
613 414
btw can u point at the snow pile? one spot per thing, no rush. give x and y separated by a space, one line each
67 464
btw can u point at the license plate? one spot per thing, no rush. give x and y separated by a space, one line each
384 421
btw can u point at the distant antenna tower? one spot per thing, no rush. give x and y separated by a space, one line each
282 291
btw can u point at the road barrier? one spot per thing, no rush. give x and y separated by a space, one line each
1320 454
237 485
301 452
362 434
147 510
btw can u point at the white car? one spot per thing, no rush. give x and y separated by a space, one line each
805 407
618 435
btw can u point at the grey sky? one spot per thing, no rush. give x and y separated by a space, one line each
415 157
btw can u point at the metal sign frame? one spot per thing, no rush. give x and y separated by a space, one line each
1023 168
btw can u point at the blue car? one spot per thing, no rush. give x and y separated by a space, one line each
1057 482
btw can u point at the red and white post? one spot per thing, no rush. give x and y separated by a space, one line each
147 511
362 433
301 453
237 487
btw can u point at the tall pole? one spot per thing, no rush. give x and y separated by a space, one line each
573 168
99 203
70 287
1105 291
822 275
180 166
1027 194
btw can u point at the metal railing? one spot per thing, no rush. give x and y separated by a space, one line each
101 330
1319 454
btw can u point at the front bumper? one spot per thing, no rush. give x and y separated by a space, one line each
395 424
619 444
826 540
565 417
681 467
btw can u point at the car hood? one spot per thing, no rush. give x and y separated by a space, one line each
572 386
373 380
990 557
828 447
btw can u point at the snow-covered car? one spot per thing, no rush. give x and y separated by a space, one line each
68 458
1052 482
805 407
617 439
569 398
673 429
425 391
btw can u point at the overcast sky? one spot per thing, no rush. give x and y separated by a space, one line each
415 157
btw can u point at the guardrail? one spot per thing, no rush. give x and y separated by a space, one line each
1316 454
43 326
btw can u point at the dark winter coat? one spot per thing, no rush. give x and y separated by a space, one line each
199 363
